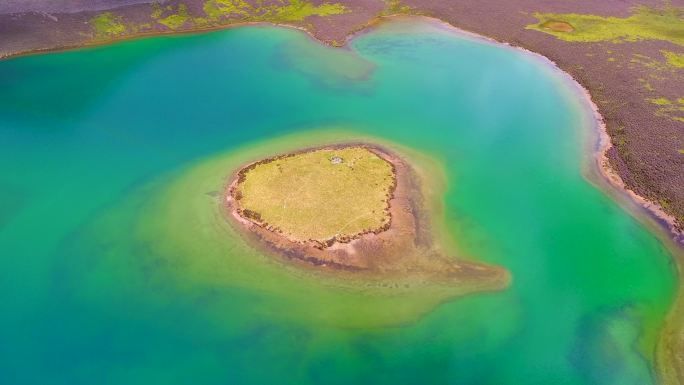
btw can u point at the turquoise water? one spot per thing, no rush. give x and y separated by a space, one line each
116 266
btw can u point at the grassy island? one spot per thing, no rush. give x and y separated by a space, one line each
355 209
324 195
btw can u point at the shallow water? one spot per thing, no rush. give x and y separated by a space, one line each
117 267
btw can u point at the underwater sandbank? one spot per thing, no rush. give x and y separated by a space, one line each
225 255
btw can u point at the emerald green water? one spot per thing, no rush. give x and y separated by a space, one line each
116 266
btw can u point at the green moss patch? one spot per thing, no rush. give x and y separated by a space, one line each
176 20
669 109
285 10
396 7
661 101
215 9
107 25
674 59
644 24
216 12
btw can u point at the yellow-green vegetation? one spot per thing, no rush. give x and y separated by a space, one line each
216 9
647 85
394 7
644 24
298 10
648 62
619 138
669 109
107 24
157 11
282 10
661 101
320 194
674 59
176 20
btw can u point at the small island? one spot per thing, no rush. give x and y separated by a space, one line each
350 209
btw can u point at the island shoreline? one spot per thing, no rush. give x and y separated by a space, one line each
422 262
377 150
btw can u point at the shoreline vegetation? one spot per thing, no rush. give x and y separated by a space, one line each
398 247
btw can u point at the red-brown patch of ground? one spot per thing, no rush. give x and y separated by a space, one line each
558 26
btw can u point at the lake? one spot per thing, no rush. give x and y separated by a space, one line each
118 268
